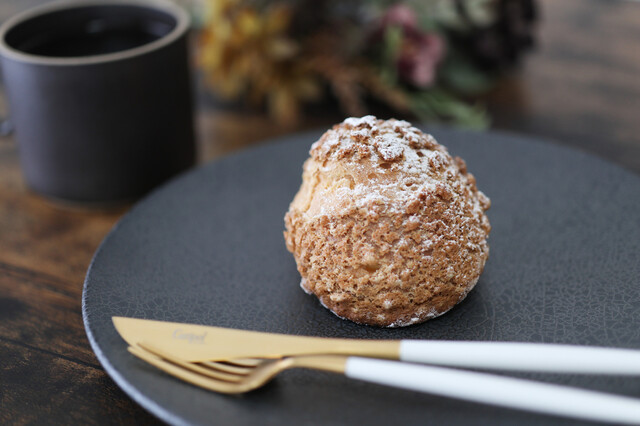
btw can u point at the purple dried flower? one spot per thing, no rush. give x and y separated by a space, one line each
400 15
419 58
419 52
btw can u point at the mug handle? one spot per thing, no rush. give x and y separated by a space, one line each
6 127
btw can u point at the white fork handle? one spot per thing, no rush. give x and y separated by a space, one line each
497 390
516 356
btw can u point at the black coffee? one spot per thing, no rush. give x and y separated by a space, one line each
90 31
90 44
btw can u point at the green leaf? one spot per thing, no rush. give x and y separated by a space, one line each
391 43
438 105
462 76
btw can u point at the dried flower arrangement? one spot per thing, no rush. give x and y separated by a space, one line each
418 57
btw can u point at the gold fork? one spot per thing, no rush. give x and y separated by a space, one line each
239 376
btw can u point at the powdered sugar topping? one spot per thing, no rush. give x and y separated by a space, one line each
390 165
369 120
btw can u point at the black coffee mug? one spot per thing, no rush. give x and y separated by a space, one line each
100 97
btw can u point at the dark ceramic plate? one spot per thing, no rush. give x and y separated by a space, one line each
207 248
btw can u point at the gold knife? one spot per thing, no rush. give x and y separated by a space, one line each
198 343
195 343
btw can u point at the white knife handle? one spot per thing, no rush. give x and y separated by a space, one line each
497 390
514 356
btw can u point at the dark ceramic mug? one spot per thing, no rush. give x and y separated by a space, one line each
99 97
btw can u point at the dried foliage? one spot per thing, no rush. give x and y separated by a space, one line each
421 57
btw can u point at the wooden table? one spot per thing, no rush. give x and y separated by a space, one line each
581 88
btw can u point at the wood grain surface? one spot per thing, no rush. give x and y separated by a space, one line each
579 88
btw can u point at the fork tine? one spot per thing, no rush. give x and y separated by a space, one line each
211 371
246 362
186 375
229 367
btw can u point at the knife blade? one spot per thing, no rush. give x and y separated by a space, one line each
196 343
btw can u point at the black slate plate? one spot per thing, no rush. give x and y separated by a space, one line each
207 248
